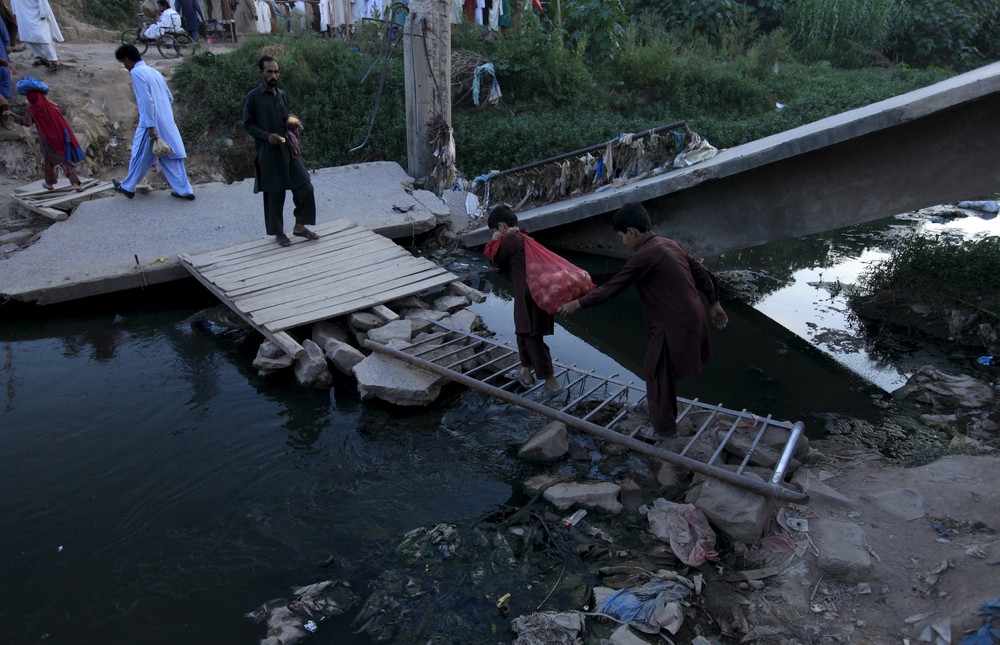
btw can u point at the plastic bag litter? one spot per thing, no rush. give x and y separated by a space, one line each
648 608
696 151
686 528
161 148
548 628
290 620
988 206
989 633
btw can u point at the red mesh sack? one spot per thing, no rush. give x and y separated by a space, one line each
552 280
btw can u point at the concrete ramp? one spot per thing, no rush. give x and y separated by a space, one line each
114 243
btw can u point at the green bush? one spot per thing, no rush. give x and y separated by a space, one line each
594 27
113 14
534 67
844 32
938 271
958 34
322 78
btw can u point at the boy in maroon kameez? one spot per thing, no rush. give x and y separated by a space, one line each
670 282
531 322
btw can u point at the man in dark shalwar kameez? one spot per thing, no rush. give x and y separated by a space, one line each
278 164
670 282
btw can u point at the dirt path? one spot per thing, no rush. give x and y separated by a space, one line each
96 93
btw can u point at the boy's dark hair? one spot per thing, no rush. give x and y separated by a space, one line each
502 214
264 59
631 215
162 3
128 52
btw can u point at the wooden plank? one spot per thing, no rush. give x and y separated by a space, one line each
277 337
385 313
304 275
298 255
23 191
268 243
299 250
277 307
333 288
463 289
361 303
94 190
277 256
51 213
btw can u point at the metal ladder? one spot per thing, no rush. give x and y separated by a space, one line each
600 406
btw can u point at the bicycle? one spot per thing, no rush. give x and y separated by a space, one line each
170 44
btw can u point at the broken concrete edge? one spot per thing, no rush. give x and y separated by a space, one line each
806 138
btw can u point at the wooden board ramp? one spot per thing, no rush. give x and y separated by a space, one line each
603 406
56 203
350 268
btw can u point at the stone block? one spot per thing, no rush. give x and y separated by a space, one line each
451 303
842 555
595 495
362 321
310 367
739 513
550 443
395 330
342 356
325 330
396 382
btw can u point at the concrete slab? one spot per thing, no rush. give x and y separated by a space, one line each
114 243
852 167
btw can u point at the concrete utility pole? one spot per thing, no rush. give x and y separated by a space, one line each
427 61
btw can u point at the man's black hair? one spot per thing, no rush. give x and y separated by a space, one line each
631 215
128 52
264 59
502 214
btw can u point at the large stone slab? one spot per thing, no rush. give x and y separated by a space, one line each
113 243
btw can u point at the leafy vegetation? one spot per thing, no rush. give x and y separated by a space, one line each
732 70
113 14
939 272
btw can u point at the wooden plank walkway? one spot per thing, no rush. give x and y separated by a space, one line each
350 268
51 203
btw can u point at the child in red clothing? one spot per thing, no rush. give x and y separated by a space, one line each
531 322
59 145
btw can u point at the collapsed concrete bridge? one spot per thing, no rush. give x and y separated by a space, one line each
931 146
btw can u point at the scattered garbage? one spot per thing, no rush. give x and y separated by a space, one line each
985 360
574 519
988 634
548 628
989 206
686 529
650 607
290 620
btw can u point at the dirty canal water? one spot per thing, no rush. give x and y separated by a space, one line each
154 489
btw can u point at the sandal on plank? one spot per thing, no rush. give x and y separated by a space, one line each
306 233
282 239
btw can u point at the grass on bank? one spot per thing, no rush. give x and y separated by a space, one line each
940 272
553 101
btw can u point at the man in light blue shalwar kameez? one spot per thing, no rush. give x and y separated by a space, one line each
156 121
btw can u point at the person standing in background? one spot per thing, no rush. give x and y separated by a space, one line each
191 16
37 26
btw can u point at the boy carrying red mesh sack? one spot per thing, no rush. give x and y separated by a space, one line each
543 281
